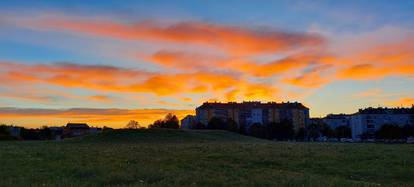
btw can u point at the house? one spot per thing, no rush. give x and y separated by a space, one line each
249 113
369 120
75 129
188 122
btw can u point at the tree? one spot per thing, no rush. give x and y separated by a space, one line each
215 123
170 121
326 130
45 133
105 129
343 132
389 132
4 133
300 134
132 125
4 129
281 131
258 130
198 125
408 131
231 125
242 129
313 131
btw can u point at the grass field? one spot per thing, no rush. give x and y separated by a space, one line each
201 158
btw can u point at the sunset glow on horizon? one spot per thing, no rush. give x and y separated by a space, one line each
108 62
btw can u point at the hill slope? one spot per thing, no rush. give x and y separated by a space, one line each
168 136
201 158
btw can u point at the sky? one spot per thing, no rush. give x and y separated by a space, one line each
108 62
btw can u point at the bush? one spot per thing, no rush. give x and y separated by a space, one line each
216 123
4 130
6 137
300 134
258 130
389 132
281 131
343 132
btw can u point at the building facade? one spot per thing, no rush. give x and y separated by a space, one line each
248 113
370 120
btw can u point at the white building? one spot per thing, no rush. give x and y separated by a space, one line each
370 120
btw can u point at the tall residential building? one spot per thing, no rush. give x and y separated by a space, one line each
248 113
370 120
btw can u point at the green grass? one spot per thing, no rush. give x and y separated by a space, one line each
201 158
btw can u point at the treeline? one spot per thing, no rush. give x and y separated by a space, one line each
20 133
312 132
391 132
283 130
170 121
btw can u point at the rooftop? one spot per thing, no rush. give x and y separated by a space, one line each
250 104
385 110
77 126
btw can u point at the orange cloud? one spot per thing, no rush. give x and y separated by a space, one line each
369 93
100 98
183 60
370 72
233 39
390 59
294 62
98 117
108 78
192 61
404 102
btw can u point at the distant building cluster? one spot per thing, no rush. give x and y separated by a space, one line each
52 133
365 122
249 113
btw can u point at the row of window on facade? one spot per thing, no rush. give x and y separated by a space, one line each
363 121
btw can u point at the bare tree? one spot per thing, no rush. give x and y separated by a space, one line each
133 125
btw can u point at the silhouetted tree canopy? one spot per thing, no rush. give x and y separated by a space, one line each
170 121
313 131
4 129
343 132
231 125
132 125
4 133
281 131
408 130
389 132
105 128
46 133
300 134
326 130
317 130
198 125
258 130
216 123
